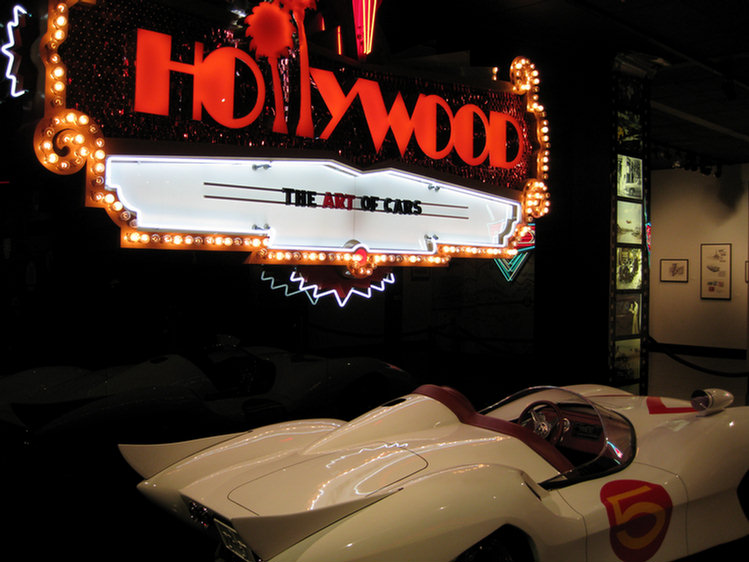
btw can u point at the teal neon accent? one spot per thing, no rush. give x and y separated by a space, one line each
288 291
510 267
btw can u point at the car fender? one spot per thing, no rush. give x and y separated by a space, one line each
715 512
437 516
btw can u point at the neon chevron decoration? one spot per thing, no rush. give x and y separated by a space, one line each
510 267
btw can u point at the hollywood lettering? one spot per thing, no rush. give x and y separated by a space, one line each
214 91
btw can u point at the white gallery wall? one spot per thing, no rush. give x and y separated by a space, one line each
689 209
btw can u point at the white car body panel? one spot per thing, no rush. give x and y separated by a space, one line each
421 479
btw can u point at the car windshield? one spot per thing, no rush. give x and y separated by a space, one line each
595 440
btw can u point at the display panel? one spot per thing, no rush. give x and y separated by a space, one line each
630 233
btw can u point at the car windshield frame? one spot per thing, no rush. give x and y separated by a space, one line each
613 448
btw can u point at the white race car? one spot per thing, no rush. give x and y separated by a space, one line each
551 474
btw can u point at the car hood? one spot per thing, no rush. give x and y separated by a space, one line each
327 479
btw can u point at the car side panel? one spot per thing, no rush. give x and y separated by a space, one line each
634 515
435 518
710 455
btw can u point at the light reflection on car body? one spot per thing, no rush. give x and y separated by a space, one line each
549 474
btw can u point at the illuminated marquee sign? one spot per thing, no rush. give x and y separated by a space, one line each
234 135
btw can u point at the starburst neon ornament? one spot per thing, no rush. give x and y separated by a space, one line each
319 282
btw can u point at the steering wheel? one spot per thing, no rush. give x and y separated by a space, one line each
551 430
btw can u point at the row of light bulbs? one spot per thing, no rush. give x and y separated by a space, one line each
525 79
347 259
66 139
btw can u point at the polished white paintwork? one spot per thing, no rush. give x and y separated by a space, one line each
411 481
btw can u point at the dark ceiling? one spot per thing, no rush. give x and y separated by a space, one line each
696 53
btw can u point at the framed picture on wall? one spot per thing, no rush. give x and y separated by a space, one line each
674 271
715 271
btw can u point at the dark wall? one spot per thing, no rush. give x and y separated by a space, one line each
573 241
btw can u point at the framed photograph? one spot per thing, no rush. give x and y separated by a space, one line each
628 315
629 177
629 129
715 271
627 360
628 222
674 271
628 268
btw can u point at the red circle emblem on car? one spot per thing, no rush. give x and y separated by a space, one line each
639 513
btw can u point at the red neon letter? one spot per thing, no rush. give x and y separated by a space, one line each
153 63
463 134
378 119
213 83
426 125
497 140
